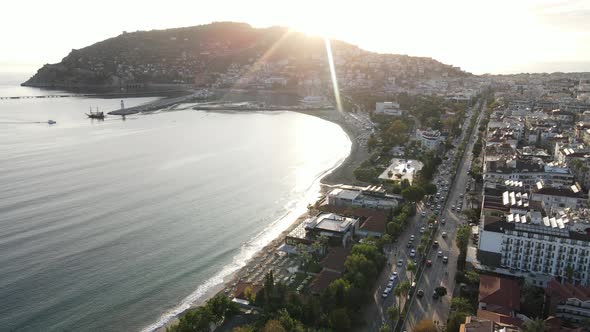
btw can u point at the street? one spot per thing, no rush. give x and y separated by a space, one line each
441 274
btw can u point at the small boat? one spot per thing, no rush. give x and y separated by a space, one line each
96 114
51 122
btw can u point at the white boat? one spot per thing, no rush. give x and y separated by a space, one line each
51 122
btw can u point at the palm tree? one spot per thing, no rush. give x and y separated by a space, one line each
393 313
401 290
411 268
535 325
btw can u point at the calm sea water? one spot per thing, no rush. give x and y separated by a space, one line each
115 225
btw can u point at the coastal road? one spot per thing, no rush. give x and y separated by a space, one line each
375 313
441 274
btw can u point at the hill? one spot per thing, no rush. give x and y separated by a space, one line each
228 54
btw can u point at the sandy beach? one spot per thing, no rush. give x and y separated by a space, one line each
265 259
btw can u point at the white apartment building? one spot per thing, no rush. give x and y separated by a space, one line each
388 108
559 198
529 172
429 139
542 247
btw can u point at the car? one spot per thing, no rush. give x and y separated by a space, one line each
413 253
443 221
392 278
400 262
445 259
435 244
384 294
458 209
390 284
412 237
410 244
423 214
421 229
444 234
440 254
394 274
430 225
429 263
420 293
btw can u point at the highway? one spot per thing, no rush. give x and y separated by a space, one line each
441 274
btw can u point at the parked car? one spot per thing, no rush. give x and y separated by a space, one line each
421 229
445 259
413 253
420 293
435 244
400 262
440 254
444 234
429 263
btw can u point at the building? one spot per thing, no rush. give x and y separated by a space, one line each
429 139
571 197
521 240
388 108
337 228
401 169
477 324
374 197
529 172
568 302
499 300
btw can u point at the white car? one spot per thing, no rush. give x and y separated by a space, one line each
400 262
412 237
413 253
389 285
392 278
444 234
421 229
440 254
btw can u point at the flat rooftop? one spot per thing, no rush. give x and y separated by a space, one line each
401 169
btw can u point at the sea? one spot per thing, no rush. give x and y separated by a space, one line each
118 225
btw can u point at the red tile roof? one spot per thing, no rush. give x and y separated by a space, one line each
334 260
241 288
499 291
322 281
499 318
375 224
561 292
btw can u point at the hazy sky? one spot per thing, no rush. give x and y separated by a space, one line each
499 36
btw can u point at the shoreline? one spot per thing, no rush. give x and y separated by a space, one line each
339 174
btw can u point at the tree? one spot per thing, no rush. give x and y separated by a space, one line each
440 291
456 318
461 304
430 189
400 291
412 269
425 325
384 328
273 325
413 194
535 325
372 143
393 313
339 319
304 256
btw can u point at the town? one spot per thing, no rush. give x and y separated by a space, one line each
470 213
